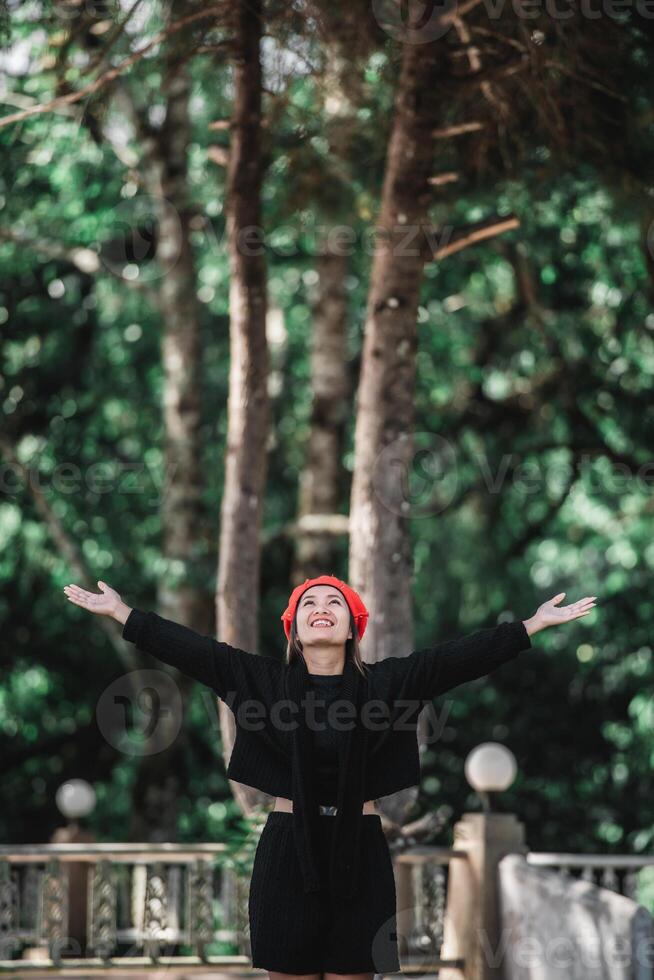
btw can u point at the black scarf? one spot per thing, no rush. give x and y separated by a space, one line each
353 744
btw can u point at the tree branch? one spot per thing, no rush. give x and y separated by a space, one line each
84 259
218 155
332 524
458 129
550 63
474 233
497 72
449 177
113 73
116 33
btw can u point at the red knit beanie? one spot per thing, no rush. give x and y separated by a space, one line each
353 599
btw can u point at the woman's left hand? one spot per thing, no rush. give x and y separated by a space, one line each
550 613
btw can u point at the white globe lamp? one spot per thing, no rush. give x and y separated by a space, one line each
75 798
490 768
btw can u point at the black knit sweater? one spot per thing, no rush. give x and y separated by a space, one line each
325 738
272 751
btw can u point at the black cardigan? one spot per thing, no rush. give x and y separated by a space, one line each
256 688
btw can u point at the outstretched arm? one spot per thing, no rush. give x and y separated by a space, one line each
431 671
227 670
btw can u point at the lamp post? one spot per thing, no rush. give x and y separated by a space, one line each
490 768
75 800
472 917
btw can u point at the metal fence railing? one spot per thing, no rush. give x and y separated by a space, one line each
167 905
631 875
142 904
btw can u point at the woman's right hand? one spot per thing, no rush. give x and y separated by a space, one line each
108 603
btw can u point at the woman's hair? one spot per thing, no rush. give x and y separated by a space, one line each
352 652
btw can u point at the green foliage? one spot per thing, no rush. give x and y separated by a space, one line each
543 405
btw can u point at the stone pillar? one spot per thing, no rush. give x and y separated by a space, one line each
78 872
472 928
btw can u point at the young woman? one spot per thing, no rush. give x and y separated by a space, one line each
326 735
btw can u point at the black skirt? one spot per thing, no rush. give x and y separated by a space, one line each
294 932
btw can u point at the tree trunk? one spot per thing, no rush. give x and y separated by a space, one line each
380 564
321 482
180 597
324 479
163 171
248 406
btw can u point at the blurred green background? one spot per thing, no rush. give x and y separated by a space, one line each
557 388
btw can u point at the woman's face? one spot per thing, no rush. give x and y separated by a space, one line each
323 617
